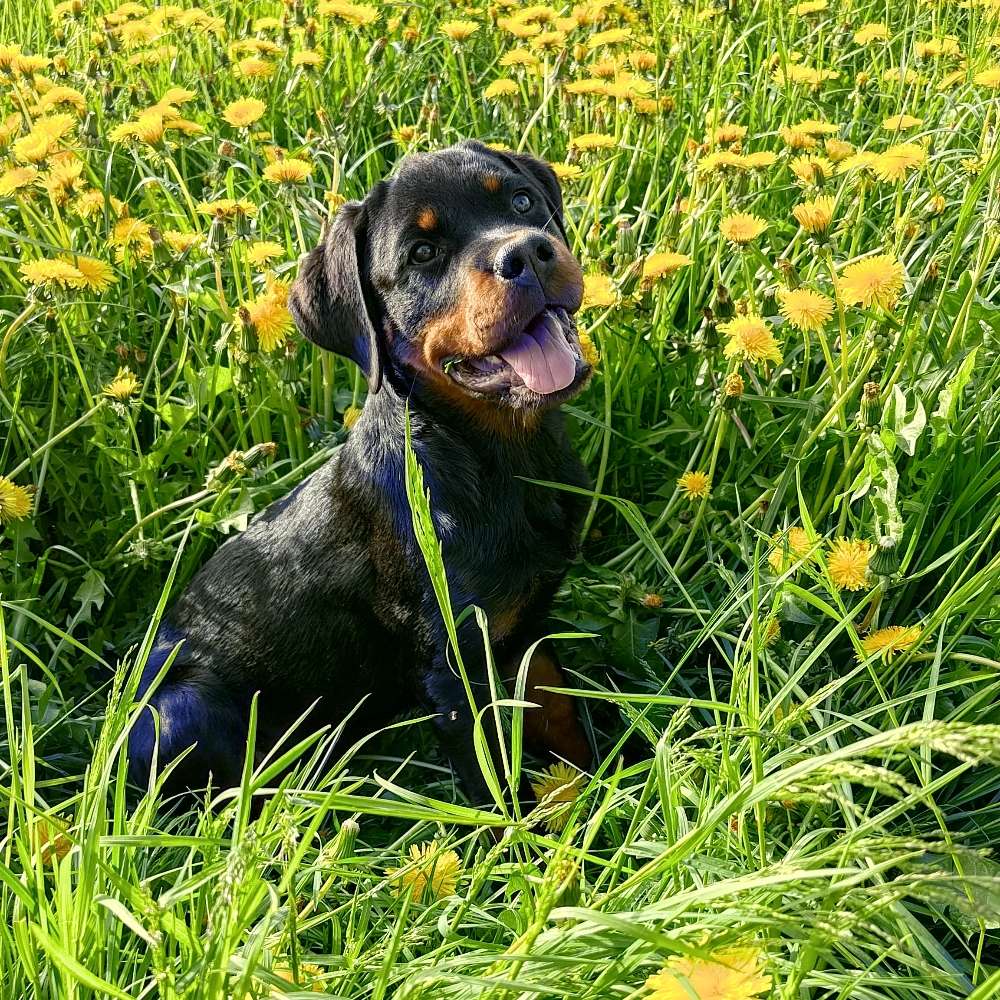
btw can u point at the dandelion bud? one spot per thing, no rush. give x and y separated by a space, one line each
579 52
789 274
374 55
928 284
871 409
723 305
89 129
652 601
259 454
226 149
567 879
299 12
93 68
936 205
626 242
51 321
732 390
218 238
346 838
709 329
885 559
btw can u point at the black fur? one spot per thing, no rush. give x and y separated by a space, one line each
325 597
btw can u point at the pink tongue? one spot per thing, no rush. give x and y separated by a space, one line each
542 357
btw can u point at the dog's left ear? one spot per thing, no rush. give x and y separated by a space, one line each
536 170
330 300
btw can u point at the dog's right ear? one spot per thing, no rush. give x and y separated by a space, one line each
329 302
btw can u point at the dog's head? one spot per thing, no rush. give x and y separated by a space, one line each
455 274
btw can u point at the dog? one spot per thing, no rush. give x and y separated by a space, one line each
453 287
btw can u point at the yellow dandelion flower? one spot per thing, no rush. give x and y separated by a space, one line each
988 78
180 242
592 141
15 501
695 485
896 123
588 85
815 126
728 133
805 309
816 215
244 112
353 13
271 321
263 251
256 67
809 7
798 138
760 160
132 235
750 339
897 161
868 33
875 280
613 36
935 48
847 563
500 88
228 208
588 349
288 171
47 273
520 57
15 179
599 291
558 783
837 149
459 31
887 642
95 275
788 548
663 265
34 147
351 416
308 971
742 228
810 169
308 58
122 387
734 974
430 873
567 171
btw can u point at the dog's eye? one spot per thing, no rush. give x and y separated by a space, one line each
422 253
521 202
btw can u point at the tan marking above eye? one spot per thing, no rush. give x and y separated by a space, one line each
491 182
427 218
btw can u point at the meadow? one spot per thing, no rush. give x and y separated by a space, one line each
783 626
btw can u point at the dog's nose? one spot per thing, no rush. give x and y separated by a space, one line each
527 255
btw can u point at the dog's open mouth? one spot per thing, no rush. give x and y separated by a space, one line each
544 358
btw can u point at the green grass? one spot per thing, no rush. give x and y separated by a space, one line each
832 809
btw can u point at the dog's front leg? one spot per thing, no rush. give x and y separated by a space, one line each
455 724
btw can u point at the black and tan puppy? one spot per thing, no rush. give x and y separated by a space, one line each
452 286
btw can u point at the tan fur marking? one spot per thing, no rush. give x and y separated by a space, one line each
427 219
554 725
491 182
